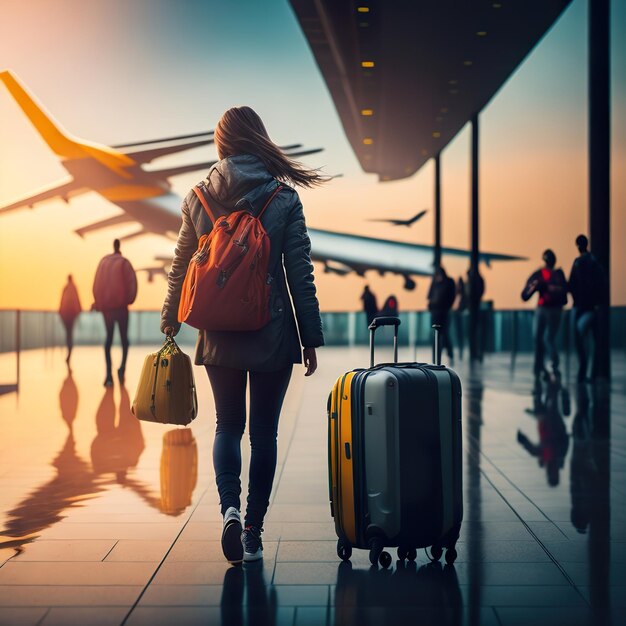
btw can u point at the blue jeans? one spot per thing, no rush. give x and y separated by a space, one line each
546 326
267 392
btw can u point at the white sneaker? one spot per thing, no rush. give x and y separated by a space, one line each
231 536
252 544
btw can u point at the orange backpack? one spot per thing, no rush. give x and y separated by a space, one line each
227 286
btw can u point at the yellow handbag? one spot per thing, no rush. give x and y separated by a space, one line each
166 392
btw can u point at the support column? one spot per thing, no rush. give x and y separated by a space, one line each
437 261
474 301
600 169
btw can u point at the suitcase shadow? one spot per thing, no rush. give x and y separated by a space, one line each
408 594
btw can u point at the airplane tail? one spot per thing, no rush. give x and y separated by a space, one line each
57 139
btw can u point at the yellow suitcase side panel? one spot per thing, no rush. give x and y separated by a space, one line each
346 473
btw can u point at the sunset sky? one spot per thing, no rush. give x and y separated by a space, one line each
117 71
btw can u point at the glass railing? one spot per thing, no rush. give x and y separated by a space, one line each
502 331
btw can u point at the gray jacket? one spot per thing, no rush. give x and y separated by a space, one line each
243 182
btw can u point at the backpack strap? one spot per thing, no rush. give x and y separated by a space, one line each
269 200
202 192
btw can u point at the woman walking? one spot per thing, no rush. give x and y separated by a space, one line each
246 177
69 310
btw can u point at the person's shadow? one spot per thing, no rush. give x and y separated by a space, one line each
68 400
117 446
246 600
73 484
429 594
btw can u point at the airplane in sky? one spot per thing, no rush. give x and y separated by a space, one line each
400 222
145 197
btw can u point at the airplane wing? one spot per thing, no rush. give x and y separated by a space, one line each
343 253
122 218
163 140
383 255
195 167
149 154
62 192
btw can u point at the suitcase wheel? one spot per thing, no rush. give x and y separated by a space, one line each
377 554
384 559
407 553
436 553
344 550
451 555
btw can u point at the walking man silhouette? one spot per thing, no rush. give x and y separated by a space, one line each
370 305
69 310
114 289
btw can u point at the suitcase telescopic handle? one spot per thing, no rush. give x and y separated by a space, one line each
436 344
377 322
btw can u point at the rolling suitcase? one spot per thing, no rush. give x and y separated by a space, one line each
394 457
166 392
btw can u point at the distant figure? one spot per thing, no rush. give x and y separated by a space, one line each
551 286
390 308
475 288
69 310
551 449
370 305
586 284
461 307
114 289
441 296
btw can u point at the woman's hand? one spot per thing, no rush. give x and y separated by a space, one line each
170 331
310 360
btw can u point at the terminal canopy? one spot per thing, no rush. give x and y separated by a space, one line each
407 75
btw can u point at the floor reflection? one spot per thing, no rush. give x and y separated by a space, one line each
473 423
246 598
550 403
74 483
114 453
596 499
118 443
377 596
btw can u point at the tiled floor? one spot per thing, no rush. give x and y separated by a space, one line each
105 523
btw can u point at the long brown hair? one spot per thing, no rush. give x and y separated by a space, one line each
241 131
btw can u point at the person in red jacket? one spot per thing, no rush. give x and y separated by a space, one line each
114 289
551 285
69 310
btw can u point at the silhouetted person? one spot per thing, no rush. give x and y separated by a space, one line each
550 284
370 305
461 307
475 287
586 284
551 449
114 289
69 310
441 296
390 308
